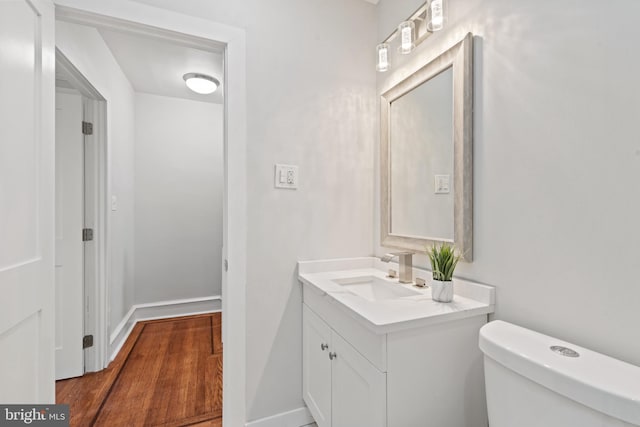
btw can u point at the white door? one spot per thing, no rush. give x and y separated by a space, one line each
27 61
316 366
359 397
69 245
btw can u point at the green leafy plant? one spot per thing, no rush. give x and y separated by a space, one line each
443 261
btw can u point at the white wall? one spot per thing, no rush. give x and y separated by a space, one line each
556 161
86 49
178 198
311 98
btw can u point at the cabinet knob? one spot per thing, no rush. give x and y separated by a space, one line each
332 355
323 347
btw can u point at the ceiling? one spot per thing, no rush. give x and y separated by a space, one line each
154 65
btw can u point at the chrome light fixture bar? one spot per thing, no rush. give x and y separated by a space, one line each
430 17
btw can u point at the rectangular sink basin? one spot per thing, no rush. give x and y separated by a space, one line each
373 288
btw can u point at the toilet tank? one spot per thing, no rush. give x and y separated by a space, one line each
533 380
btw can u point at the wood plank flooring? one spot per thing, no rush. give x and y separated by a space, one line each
168 373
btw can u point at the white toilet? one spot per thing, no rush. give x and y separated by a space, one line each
533 380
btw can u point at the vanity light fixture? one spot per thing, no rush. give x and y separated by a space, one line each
383 57
406 30
430 17
435 15
201 83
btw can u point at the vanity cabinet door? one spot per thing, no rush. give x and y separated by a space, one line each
359 389
316 366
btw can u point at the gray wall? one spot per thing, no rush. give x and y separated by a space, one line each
86 49
178 198
311 102
557 161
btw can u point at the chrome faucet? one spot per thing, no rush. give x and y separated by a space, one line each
406 264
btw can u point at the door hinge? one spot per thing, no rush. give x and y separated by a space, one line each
87 234
87 128
87 341
226 265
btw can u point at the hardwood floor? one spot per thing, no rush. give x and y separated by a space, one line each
168 373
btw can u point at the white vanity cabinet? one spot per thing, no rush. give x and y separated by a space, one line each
316 365
340 386
390 359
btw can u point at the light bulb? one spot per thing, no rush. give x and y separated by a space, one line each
437 15
383 57
201 83
406 30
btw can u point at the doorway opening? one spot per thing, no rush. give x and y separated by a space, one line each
189 32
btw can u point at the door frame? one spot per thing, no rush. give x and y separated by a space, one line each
134 16
96 216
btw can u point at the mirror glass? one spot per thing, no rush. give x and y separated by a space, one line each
421 160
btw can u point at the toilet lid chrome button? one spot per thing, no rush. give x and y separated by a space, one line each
564 351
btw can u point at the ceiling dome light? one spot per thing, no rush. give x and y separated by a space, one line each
201 83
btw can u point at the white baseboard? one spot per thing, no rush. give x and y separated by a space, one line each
160 310
121 333
297 418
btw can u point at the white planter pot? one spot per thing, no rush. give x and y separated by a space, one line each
442 291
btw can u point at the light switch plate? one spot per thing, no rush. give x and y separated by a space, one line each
443 184
286 176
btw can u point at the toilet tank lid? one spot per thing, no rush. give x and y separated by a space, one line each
600 382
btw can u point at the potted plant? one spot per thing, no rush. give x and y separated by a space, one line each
443 263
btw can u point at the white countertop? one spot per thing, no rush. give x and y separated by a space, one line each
470 299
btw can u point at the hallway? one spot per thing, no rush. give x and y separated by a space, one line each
168 373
